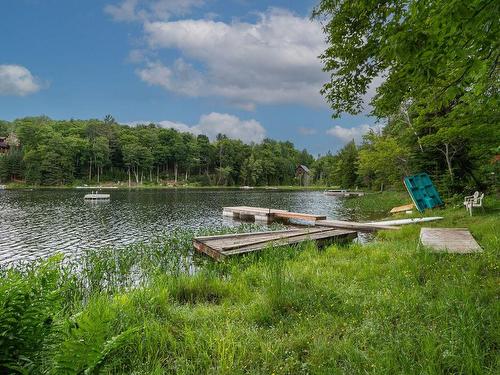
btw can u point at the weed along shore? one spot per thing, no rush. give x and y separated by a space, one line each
386 306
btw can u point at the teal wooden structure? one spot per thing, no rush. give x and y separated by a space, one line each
422 191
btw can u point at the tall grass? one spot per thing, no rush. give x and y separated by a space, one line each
384 307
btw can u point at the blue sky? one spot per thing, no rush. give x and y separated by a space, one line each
246 68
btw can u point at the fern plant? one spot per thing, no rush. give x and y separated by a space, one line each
29 301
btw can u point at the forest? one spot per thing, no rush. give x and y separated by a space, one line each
49 152
53 152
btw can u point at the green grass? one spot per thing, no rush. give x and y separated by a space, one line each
381 308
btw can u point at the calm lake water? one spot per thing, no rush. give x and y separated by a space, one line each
39 223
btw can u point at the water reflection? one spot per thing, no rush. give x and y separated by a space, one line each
40 222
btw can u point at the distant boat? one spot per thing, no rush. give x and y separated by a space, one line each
96 196
246 187
344 193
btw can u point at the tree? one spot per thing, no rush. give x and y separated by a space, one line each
383 160
436 65
108 120
346 171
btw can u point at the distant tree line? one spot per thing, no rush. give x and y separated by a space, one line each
50 152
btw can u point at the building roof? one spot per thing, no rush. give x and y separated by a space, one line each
304 168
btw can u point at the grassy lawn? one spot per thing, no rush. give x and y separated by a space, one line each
383 307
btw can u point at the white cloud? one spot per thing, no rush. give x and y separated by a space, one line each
218 123
274 60
17 80
348 134
143 10
307 131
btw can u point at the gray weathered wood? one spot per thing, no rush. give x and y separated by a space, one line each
220 246
453 240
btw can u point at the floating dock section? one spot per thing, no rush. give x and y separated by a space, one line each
218 247
267 215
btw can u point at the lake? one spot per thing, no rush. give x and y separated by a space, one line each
39 223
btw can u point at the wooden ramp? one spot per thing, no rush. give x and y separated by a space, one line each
406 207
452 240
221 246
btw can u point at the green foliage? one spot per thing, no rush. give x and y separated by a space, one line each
60 152
383 160
30 302
340 169
436 64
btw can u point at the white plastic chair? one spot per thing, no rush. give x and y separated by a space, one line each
472 201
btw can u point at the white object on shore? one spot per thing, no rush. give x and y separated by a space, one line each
96 187
472 201
3 187
407 221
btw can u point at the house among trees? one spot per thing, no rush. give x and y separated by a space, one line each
303 173
4 146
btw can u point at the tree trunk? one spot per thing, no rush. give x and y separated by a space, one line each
129 182
90 170
410 124
158 174
98 175
175 172
136 174
448 159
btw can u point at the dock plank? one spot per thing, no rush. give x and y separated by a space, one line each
219 247
300 216
253 241
452 240
269 213
332 235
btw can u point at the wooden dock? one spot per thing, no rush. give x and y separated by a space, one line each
267 215
219 247
451 240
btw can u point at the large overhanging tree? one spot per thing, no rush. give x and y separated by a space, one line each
438 60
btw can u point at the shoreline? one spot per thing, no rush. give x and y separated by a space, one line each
163 187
